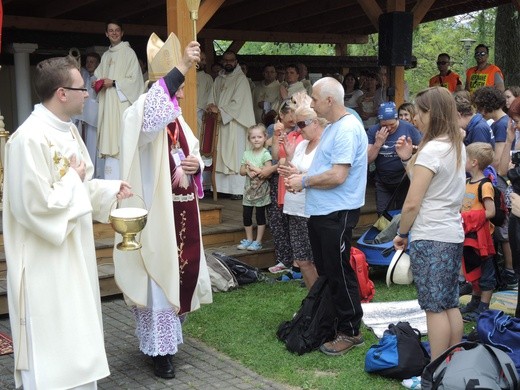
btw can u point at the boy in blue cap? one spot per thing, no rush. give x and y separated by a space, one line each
389 170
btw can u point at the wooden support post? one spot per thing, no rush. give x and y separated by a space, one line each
341 50
210 53
179 22
398 74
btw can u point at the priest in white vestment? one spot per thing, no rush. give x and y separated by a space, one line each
168 276
50 200
122 85
266 94
231 97
87 122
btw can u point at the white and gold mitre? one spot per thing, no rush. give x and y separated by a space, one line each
162 56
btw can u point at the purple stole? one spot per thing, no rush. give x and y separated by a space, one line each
186 217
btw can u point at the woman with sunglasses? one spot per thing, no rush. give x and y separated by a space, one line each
311 128
284 128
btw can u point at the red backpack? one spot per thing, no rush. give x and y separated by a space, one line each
359 264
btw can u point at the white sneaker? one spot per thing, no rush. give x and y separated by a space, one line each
244 244
278 268
413 383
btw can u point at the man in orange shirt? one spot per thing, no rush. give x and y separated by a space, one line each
483 74
446 77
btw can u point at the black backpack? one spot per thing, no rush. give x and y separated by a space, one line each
313 324
243 273
498 198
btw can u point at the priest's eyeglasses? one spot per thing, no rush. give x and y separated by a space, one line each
75 89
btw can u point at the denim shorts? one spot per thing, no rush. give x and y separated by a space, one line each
435 267
487 279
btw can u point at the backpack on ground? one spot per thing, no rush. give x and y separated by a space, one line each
470 365
221 277
358 262
499 186
244 273
500 330
399 354
313 324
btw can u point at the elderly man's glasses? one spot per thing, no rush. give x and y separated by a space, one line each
442 62
304 124
480 54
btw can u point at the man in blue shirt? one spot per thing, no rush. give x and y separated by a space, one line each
391 182
335 191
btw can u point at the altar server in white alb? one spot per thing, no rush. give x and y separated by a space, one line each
120 83
50 200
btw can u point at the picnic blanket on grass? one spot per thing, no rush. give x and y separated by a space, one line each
378 315
501 300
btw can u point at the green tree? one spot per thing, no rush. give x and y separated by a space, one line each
507 43
443 36
429 39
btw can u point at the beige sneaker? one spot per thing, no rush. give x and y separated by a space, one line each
341 344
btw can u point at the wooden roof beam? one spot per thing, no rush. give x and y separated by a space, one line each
206 12
372 10
304 19
281 36
57 8
76 26
250 9
132 8
236 46
420 10
395 5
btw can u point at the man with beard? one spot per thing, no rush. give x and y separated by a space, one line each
484 74
231 97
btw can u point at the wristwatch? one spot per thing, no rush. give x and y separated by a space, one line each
402 235
113 83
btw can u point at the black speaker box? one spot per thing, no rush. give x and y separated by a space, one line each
395 39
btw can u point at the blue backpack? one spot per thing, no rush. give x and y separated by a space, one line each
399 354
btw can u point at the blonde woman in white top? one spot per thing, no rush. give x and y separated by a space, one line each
311 128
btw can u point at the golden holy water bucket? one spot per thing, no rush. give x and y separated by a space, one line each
128 221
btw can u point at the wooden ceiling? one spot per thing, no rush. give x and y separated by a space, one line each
80 23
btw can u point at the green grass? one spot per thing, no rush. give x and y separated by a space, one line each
243 323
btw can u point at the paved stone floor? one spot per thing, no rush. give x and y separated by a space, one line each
197 365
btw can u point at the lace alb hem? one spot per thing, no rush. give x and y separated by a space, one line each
159 331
